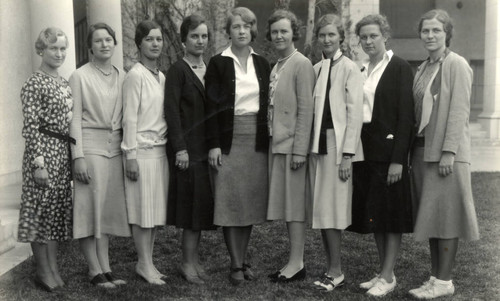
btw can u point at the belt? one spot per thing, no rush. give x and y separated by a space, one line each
56 135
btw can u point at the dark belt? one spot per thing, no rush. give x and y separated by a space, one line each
50 133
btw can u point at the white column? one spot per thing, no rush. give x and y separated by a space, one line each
109 12
490 117
54 13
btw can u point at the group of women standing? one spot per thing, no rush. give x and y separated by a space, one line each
237 143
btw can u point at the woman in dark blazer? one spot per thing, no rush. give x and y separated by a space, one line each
190 202
237 83
381 188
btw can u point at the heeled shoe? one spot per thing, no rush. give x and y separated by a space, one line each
191 278
150 280
274 275
247 272
236 281
300 275
100 280
113 279
44 286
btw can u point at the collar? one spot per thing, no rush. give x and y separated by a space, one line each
229 53
441 58
387 57
336 55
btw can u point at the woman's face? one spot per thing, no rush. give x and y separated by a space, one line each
152 44
103 45
433 35
282 35
329 39
372 41
240 32
196 40
54 55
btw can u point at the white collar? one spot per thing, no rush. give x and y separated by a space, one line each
387 57
229 53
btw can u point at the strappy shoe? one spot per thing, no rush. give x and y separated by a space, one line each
328 283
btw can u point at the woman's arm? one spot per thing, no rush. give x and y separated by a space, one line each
132 93
213 89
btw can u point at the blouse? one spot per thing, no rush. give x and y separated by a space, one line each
371 82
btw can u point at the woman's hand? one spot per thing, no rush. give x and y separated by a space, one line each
395 173
297 161
345 168
215 157
41 177
80 171
182 160
446 163
132 169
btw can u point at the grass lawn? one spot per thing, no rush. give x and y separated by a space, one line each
476 275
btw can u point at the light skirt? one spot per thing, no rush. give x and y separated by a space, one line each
147 197
445 204
99 207
330 197
287 190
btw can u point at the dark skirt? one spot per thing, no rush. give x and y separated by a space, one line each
377 207
190 198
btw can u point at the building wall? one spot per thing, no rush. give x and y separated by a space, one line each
16 64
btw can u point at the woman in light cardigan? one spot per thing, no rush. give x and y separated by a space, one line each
441 156
338 111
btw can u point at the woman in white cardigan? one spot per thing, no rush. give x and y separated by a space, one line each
338 118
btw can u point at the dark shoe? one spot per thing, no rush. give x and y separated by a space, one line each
274 275
247 272
233 280
100 280
112 278
300 275
44 285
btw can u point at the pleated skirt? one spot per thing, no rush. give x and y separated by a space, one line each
445 204
329 196
99 207
147 197
287 189
241 183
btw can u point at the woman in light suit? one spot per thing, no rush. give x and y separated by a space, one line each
441 155
338 111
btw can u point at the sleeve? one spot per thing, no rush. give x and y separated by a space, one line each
304 85
173 90
76 122
460 92
354 110
213 89
132 93
406 117
31 98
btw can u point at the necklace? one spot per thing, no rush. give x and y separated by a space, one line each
47 73
288 56
193 65
155 71
102 71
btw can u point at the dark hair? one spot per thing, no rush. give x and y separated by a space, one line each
379 20
330 19
48 36
246 15
142 30
191 23
284 14
94 27
443 17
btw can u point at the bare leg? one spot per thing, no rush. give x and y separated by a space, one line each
380 242
296 234
333 240
232 237
88 247
43 271
447 250
103 252
392 245
190 241
245 239
433 245
52 257
327 248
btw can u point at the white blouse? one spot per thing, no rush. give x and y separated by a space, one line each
246 98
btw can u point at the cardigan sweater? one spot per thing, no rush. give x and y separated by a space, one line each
293 107
220 86
448 127
388 136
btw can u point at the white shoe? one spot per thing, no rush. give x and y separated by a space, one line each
328 283
382 287
437 290
369 284
425 286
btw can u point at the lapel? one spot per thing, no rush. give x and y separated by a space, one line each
192 77
384 82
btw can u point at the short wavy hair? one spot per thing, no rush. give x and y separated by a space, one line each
247 16
94 27
284 14
192 22
443 17
48 36
142 30
375 19
330 19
